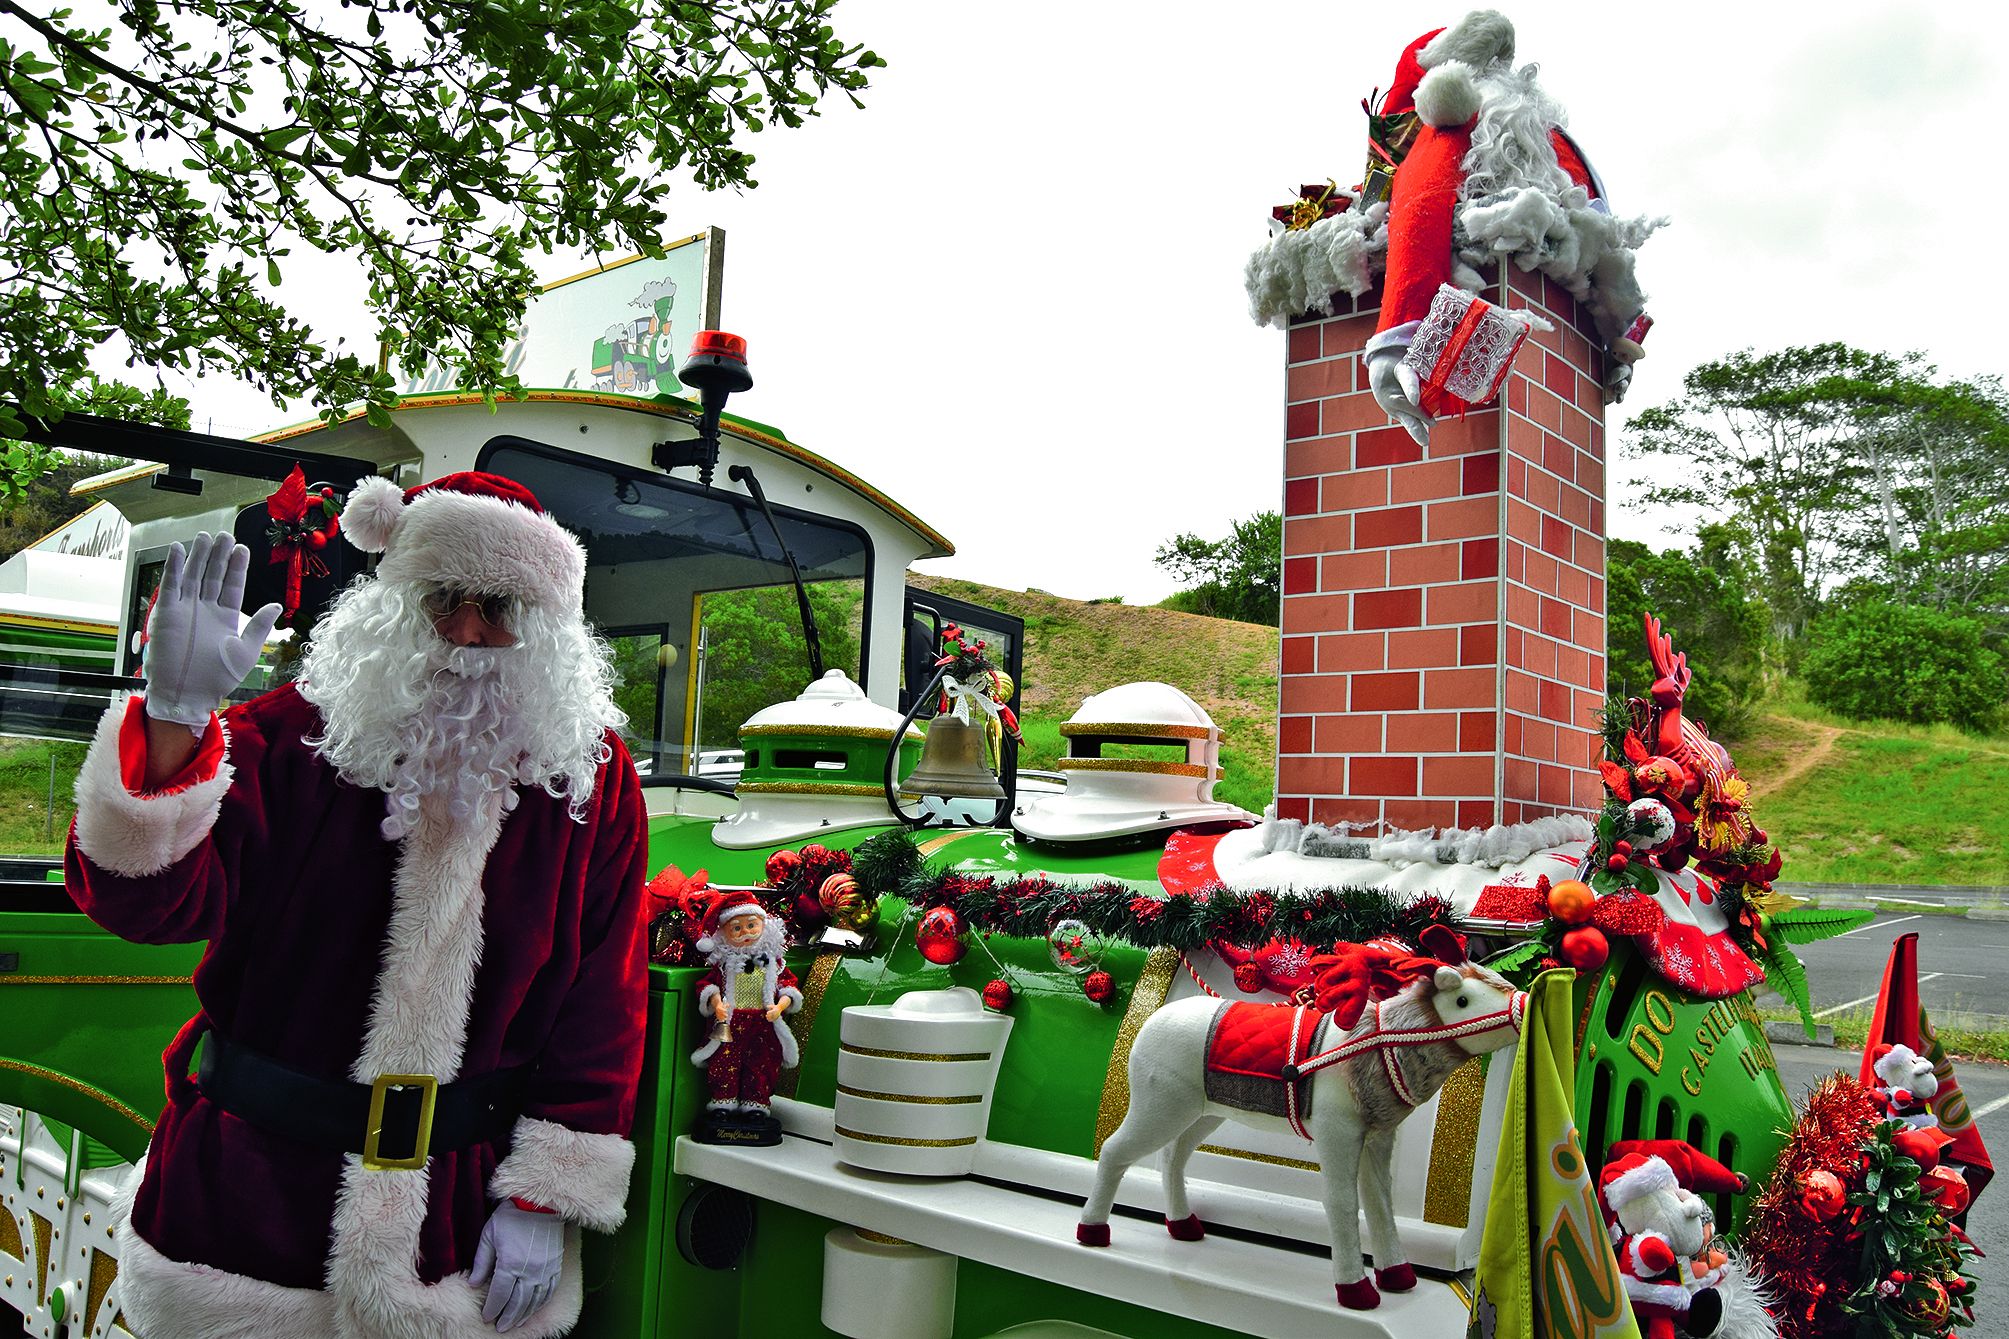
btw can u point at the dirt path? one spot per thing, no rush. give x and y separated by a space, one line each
1808 759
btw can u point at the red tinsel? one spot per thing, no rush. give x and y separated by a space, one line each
1513 901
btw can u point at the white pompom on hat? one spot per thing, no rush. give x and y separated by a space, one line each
469 531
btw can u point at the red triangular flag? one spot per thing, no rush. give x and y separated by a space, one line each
1895 1022
1900 1020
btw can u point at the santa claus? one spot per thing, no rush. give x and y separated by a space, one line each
746 992
1492 175
1658 1228
420 871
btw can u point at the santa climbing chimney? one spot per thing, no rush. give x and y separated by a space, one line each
1444 599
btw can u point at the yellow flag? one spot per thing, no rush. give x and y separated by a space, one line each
1546 1268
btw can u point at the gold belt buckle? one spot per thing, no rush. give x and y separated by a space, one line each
428 1087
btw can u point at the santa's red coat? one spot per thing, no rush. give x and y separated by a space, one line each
438 953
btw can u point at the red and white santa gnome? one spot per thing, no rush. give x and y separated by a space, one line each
1905 1084
747 991
425 858
1657 1228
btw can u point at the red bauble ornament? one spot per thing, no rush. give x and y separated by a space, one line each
808 911
782 864
316 540
1934 1307
1617 863
1585 948
1947 1187
997 995
1098 986
1248 978
814 854
940 937
1822 1195
1921 1146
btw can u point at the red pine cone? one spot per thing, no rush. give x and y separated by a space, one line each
997 995
1098 986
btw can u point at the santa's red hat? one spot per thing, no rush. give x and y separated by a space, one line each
723 909
1436 77
469 531
1634 1176
1693 1169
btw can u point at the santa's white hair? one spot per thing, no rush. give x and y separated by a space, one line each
1510 143
770 947
406 712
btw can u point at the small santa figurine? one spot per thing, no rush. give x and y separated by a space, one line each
745 993
1905 1084
1656 1226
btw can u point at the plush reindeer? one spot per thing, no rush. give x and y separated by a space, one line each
1388 1029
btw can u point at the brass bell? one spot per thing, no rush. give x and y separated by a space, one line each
952 764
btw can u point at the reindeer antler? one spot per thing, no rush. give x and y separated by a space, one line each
1344 979
1671 666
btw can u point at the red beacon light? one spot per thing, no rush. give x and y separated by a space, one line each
716 369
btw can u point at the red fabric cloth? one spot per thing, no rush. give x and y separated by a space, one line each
133 754
1253 1040
292 887
1711 966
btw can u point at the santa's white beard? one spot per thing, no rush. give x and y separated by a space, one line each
1510 142
408 713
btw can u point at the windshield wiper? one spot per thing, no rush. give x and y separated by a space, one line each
743 474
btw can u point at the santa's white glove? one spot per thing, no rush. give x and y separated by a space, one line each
1617 379
195 655
519 1258
1397 390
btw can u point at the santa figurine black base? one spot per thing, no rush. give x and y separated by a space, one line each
745 995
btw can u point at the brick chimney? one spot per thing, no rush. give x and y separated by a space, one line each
1443 608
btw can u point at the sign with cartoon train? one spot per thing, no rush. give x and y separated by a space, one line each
623 327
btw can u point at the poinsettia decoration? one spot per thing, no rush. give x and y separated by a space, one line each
303 522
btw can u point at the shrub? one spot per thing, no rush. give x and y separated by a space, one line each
1904 662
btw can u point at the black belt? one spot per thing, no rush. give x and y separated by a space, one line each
396 1123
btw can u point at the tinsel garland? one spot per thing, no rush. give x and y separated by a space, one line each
1862 1271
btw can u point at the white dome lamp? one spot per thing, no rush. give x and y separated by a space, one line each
1119 796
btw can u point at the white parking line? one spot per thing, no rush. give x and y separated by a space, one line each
1907 902
1928 976
1878 925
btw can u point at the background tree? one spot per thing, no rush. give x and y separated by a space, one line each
1239 577
1769 442
1701 597
155 173
35 480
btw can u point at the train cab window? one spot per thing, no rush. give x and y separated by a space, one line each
694 595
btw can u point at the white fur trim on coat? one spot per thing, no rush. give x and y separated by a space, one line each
133 835
1448 95
582 1176
166 1297
1480 38
487 544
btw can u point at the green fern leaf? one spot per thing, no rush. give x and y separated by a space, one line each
1804 925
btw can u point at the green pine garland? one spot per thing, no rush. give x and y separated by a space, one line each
1028 908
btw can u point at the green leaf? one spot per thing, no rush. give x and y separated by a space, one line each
272 272
1784 973
1805 925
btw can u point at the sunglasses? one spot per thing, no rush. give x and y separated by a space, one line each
446 601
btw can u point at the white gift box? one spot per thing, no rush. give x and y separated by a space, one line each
1462 352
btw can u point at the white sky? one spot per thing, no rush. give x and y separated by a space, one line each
1009 290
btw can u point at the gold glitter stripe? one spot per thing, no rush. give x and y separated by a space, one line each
104 1269
824 731
1147 766
1133 728
1269 1159
867 1234
802 1021
905 1142
849 1091
44 1266
807 788
83 1089
10 979
1447 1191
10 1238
1152 983
913 1055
